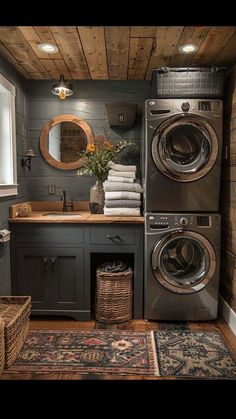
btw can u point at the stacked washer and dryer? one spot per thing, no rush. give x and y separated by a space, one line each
181 181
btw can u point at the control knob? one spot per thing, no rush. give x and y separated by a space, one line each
185 106
183 221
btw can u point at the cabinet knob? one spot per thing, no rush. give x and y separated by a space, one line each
54 259
113 237
45 261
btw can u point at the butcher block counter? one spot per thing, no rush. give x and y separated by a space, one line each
51 212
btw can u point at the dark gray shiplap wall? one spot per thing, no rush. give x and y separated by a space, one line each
21 138
87 102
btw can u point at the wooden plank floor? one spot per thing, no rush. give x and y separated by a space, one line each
218 325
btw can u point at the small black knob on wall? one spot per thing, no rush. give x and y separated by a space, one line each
185 106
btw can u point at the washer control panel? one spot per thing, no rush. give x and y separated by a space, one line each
162 222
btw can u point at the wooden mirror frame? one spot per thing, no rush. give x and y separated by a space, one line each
44 138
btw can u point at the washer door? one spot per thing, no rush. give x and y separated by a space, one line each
184 262
185 148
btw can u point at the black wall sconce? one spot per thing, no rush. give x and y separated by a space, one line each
27 162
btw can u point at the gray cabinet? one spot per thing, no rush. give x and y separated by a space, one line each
53 277
55 264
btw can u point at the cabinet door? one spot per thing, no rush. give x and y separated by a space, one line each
52 276
32 275
66 279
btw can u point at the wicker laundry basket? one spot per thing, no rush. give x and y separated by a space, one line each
114 296
15 312
2 347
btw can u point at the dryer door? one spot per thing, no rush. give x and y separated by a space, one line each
184 262
185 148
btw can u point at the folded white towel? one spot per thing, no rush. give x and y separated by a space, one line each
120 179
130 212
122 195
122 174
122 186
122 203
121 167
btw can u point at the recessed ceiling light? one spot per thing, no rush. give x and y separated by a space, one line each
188 48
48 48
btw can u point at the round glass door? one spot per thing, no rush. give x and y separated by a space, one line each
185 148
184 262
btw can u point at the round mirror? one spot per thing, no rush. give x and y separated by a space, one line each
62 140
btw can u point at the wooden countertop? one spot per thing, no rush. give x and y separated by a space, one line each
40 217
41 211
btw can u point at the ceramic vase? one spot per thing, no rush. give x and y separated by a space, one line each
97 196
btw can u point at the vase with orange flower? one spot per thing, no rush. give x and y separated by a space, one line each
96 158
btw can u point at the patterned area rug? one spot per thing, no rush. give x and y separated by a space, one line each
87 352
193 355
173 326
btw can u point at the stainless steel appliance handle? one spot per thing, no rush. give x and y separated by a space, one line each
168 230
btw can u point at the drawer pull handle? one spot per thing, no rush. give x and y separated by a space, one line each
113 237
45 261
54 259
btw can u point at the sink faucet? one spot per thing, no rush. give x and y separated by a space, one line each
66 204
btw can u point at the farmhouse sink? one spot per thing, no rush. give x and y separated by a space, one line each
64 214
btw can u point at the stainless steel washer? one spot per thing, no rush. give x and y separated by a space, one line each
182 154
182 253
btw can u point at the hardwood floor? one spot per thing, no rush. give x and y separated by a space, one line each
138 325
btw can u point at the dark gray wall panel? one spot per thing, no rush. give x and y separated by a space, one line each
21 139
5 283
88 102
76 187
21 146
118 90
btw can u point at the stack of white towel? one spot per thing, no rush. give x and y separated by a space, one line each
122 192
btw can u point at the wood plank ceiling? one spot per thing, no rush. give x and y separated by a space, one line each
113 52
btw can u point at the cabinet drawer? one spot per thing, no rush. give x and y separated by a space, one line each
112 235
48 234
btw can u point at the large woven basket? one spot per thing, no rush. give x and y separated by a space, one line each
114 296
15 312
2 348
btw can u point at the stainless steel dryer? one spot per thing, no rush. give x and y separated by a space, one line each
182 254
182 154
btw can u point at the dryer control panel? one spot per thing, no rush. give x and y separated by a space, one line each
159 108
161 222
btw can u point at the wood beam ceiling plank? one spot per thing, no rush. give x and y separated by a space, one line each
62 68
93 43
227 56
140 51
190 35
216 39
10 58
166 40
22 51
33 39
143 31
117 47
46 36
51 68
70 47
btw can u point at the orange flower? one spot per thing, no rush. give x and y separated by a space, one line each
108 144
90 148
